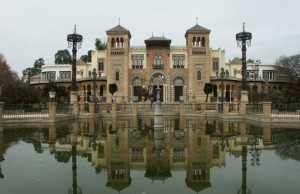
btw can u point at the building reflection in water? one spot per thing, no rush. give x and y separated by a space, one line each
117 146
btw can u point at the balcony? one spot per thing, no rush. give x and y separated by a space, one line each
158 66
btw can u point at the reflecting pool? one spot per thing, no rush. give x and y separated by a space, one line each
131 156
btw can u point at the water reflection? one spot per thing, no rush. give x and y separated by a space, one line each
120 146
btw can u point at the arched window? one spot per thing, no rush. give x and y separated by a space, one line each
203 42
101 66
117 76
198 42
199 75
112 42
194 41
122 43
117 43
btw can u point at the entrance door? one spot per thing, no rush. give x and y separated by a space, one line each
137 92
178 93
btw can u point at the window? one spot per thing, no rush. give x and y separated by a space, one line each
117 76
199 75
65 75
158 60
268 74
137 61
117 43
215 64
101 64
198 42
178 61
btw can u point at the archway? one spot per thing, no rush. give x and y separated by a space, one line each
178 83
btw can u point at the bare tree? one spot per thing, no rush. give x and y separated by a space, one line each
289 68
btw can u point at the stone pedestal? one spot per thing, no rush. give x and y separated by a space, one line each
181 109
244 97
114 109
203 108
226 109
267 110
92 109
73 97
75 109
52 110
134 109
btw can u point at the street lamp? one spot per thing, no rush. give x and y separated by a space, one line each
74 41
243 39
94 74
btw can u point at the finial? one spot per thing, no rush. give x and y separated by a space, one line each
163 34
244 27
152 34
197 20
119 20
75 29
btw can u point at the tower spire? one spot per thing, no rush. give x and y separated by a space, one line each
196 20
119 21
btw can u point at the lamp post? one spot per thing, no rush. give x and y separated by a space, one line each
94 74
243 39
74 41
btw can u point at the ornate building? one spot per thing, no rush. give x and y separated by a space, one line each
180 71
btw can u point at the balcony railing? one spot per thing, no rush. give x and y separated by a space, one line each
158 66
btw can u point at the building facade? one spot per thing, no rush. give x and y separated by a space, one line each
179 71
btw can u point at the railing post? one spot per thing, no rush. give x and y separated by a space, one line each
114 109
75 109
225 108
135 109
52 110
217 107
203 108
92 109
81 109
267 110
181 109
243 109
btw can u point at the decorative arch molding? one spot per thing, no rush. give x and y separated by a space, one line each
178 80
134 80
155 74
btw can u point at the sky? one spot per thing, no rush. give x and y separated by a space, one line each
32 29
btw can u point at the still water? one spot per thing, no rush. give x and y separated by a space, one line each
130 156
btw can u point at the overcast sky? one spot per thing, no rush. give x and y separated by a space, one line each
32 29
